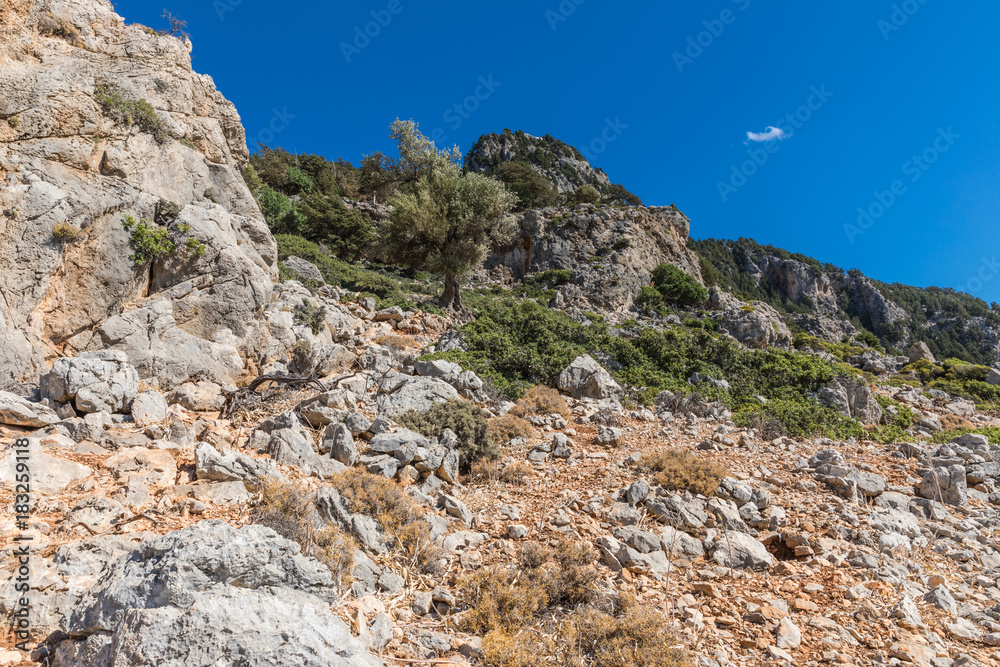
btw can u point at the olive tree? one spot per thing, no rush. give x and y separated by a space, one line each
443 220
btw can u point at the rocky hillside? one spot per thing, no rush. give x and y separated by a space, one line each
222 447
103 123
560 163
832 303
606 255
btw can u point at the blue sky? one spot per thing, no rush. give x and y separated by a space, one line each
903 124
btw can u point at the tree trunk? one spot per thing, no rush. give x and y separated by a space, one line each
451 299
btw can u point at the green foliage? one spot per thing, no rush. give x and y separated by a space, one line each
465 419
532 189
276 208
678 287
619 196
556 277
798 418
444 221
124 109
869 339
348 234
991 432
956 377
337 272
585 194
514 345
311 316
149 241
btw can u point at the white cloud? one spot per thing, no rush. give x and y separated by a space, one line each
771 134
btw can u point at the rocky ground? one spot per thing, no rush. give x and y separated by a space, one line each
810 552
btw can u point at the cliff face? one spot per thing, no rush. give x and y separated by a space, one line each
99 121
610 251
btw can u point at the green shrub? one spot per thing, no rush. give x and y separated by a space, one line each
532 189
149 241
466 419
798 417
311 316
124 109
14 121
336 271
586 194
677 286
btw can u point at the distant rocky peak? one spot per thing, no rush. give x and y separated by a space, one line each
560 163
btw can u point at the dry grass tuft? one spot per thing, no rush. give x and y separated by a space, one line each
64 232
54 26
400 519
627 635
680 470
507 597
508 427
491 472
287 509
397 342
547 609
953 422
541 401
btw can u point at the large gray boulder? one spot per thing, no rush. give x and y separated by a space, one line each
945 484
993 377
416 393
207 595
920 351
94 381
741 552
214 466
852 398
756 325
585 378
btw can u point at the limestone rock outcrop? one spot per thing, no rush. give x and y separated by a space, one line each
100 120
610 252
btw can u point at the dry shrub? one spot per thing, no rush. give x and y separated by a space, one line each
54 26
397 342
64 232
515 473
953 422
541 401
508 427
680 470
491 472
507 597
383 500
287 509
626 635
